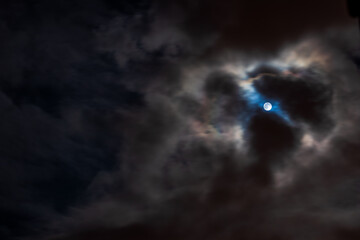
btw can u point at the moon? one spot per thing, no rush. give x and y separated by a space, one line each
267 106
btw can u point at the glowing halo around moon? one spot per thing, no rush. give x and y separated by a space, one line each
267 106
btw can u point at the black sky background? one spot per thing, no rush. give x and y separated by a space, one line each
92 123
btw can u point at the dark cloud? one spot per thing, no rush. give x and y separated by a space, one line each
270 136
221 84
222 88
306 99
59 98
262 25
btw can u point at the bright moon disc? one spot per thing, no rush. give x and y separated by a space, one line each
267 106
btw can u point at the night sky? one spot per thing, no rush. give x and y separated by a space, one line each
179 120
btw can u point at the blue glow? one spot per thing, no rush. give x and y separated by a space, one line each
257 101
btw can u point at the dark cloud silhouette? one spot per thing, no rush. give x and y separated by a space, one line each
305 99
222 88
221 83
270 135
262 25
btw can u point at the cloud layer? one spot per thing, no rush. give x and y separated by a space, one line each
145 121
